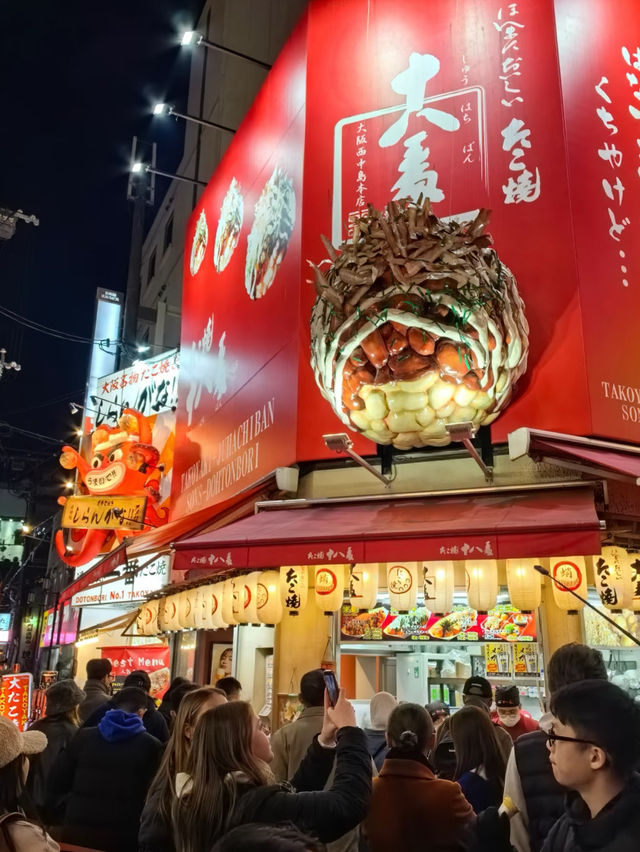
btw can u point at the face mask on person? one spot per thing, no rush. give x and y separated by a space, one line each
509 718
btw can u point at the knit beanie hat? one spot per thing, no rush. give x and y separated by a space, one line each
13 743
380 709
63 696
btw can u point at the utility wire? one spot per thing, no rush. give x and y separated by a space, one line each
36 435
43 404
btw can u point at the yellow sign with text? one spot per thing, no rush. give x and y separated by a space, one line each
104 513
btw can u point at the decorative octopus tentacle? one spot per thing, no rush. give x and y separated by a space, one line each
93 542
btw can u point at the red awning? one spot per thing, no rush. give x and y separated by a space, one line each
551 522
109 563
599 458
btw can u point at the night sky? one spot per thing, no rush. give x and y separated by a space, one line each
77 82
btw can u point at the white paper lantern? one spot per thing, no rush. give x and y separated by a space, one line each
614 578
228 615
294 588
329 587
402 585
523 582
187 609
439 582
210 607
482 584
572 572
239 599
634 559
363 585
147 621
268 601
244 598
168 613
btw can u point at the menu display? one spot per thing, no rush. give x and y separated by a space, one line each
504 623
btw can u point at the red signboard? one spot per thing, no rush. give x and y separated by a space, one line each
153 659
15 698
460 102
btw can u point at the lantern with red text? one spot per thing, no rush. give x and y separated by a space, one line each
168 615
571 571
402 585
438 578
147 621
294 588
613 577
482 584
268 602
187 609
228 614
523 582
329 587
363 585
244 598
210 607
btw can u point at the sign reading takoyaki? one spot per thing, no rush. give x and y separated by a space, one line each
275 217
416 325
199 244
229 226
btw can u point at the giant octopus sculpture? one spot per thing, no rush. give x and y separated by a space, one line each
123 461
417 325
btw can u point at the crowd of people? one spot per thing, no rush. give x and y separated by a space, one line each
199 773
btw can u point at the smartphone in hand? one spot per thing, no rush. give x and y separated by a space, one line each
333 690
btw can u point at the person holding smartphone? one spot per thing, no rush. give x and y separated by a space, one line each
228 781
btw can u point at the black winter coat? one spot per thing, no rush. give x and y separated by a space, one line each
377 745
545 798
107 783
153 720
155 834
615 829
59 731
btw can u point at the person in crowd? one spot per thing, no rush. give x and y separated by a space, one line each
229 783
380 708
231 688
165 705
443 755
59 725
410 808
290 743
106 772
152 720
504 740
511 716
477 691
268 838
480 764
439 711
16 831
155 823
98 687
594 747
529 780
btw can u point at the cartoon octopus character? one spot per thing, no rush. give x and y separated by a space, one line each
123 461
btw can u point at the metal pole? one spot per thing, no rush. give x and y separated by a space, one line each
201 121
132 299
214 46
173 177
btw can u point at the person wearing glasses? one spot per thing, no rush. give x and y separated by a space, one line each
594 748
529 780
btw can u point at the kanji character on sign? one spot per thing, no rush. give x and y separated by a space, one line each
525 188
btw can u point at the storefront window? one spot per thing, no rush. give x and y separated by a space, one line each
184 654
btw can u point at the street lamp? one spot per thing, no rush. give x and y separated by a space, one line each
165 109
7 365
190 37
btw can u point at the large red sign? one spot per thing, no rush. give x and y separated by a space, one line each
462 103
15 698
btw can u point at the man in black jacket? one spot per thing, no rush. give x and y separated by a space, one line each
594 745
98 687
106 772
153 720
529 780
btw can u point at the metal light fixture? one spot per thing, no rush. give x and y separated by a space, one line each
7 365
138 167
464 432
342 443
166 109
190 37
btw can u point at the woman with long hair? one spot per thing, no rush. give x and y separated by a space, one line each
410 807
480 764
228 781
17 833
59 725
155 823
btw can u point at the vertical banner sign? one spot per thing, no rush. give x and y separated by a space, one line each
600 68
15 698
